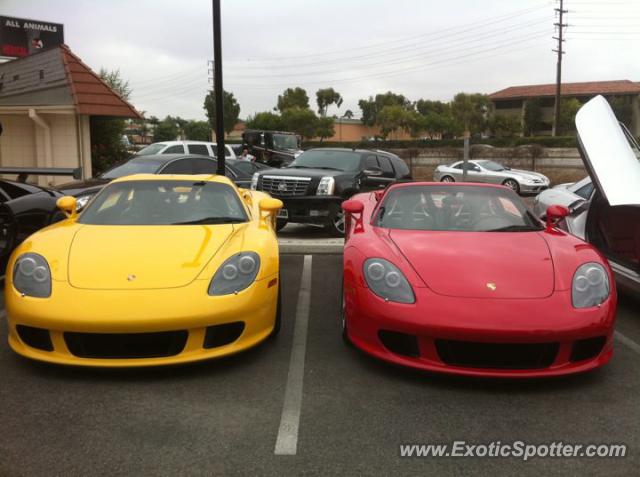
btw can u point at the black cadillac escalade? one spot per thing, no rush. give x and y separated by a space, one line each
314 185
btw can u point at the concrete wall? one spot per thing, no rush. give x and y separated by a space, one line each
18 141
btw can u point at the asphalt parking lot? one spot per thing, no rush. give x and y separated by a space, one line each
328 410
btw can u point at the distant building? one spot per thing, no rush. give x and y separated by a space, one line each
512 100
46 101
353 130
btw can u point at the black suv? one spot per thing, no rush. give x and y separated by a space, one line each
275 148
314 185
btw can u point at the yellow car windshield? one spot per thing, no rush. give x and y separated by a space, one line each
165 202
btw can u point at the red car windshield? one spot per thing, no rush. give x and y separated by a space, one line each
455 208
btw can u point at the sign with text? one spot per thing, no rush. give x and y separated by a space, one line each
22 37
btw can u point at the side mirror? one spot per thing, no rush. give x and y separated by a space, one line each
269 208
373 171
68 205
352 206
554 214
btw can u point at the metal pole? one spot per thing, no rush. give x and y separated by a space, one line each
217 87
556 111
465 157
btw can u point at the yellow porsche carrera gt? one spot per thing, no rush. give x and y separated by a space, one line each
156 270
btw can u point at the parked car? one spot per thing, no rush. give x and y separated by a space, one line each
464 279
604 209
185 147
26 208
274 148
564 194
314 185
491 172
157 270
238 171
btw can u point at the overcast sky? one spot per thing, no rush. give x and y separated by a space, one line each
420 48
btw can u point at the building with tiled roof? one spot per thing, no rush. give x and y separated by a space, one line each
513 100
46 101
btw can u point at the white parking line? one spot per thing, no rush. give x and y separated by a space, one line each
287 441
627 341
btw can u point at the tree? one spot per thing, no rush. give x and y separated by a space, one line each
116 82
372 106
153 120
348 114
470 111
325 128
393 117
532 116
302 121
166 130
230 109
623 109
568 109
106 133
197 131
505 125
325 98
265 120
293 97
428 106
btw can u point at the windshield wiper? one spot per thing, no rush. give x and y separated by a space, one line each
515 228
212 220
328 168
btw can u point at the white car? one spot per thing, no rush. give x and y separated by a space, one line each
202 148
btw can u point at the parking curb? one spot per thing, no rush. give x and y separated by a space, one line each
293 247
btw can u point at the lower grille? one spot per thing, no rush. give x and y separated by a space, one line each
126 345
284 186
37 338
587 349
400 343
220 335
497 355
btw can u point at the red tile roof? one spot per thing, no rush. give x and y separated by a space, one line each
91 94
568 89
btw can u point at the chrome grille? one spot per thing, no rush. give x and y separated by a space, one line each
284 186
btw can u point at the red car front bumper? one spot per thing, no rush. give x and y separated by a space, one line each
482 337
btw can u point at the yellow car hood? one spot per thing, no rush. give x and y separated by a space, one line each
142 257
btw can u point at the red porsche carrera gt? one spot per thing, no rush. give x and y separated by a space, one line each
462 278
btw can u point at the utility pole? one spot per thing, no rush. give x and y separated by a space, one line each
556 111
217 87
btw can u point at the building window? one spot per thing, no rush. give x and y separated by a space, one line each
16 77
41 74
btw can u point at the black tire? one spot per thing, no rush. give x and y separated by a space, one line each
336 222
447 179
280 224
278 323
512 184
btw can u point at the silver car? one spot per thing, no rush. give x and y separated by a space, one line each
483 170
604 209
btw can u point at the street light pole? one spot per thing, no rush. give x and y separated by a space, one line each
217 87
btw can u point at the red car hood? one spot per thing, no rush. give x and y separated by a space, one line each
480 264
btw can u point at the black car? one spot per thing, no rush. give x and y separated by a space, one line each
274 148
24 209
314 185
238 171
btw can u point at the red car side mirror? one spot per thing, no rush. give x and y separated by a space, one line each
555 213
352 206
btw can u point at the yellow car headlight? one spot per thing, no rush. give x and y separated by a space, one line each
32 276
236 273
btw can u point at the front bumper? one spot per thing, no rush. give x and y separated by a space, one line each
446 334
532 188
310 209
81 324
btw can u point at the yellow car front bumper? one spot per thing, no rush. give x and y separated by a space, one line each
120 328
